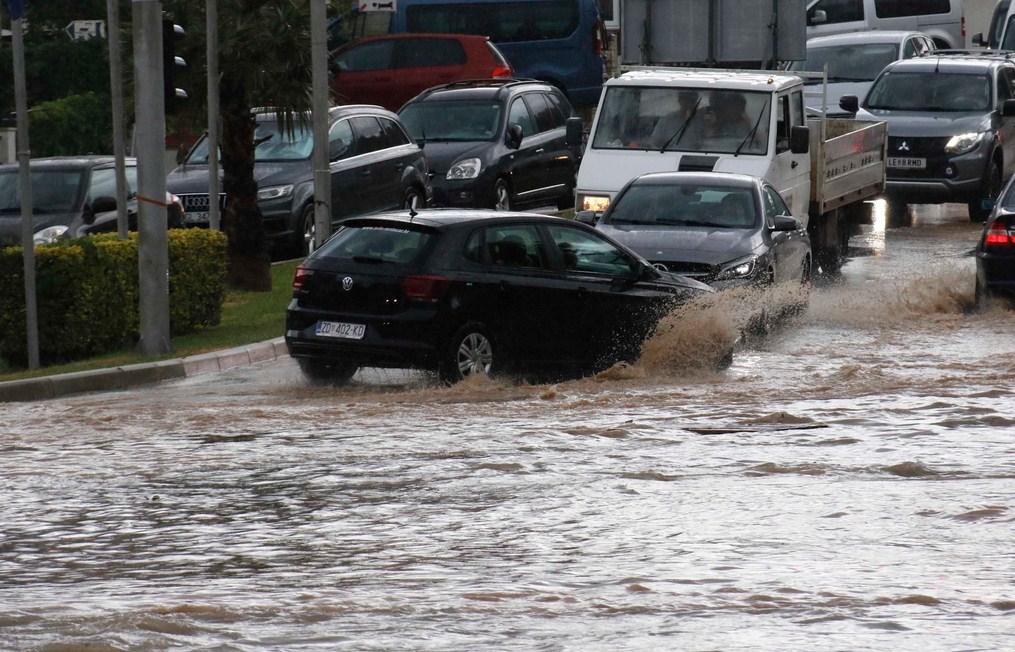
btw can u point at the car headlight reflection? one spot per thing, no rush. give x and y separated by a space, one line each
49 235
275 192
738 269
468 168
963 142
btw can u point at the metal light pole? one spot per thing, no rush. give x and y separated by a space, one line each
321 159
116 89
211 28
25 189
150 123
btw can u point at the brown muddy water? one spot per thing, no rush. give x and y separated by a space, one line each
847 484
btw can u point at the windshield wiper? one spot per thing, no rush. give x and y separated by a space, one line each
750 136
680 132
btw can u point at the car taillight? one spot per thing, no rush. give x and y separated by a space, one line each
300 278
999 236
425 287
502 71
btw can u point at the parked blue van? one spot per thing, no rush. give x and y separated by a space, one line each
559 41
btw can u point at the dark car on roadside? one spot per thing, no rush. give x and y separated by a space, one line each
375 166
995 252
722 229
462 292
72 196
951 129
499 144
391 69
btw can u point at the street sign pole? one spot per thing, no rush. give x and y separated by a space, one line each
211 24
150 123
25 189
116 88
322 171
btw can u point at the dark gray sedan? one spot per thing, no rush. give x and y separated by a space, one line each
722 229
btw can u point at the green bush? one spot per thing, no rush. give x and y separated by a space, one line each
87 293
77 124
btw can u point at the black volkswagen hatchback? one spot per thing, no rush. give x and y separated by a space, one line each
461 292
995 252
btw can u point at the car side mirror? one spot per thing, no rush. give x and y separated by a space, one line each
587 217
785 223
1008 108
819 17
978 40
850 104
100 205
573 135
513 138
799 139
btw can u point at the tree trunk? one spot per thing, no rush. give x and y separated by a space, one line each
249 263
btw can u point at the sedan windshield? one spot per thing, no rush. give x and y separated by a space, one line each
930 91
858 62
688 204
683 119
272 144
53 191
452 121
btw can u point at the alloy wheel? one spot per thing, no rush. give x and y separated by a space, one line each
502 197
475 355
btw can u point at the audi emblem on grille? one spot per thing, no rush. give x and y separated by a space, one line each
903 146
347 283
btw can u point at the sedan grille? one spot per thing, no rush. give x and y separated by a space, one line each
699 271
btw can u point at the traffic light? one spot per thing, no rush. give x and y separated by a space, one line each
172 65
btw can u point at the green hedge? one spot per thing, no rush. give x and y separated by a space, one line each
76 124
87 293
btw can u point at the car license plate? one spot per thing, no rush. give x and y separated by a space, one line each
195 218
340 329
907 162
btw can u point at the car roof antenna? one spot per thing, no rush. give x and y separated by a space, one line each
412 211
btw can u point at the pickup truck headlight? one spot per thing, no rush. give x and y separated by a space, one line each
49 235
596 203
275 192
963 142
741 268
465 169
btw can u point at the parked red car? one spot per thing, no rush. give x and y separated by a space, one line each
392 69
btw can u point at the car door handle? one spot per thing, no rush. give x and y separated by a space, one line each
540 150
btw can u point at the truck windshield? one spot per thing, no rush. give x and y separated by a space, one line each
451 121
686 204
683 119
53 191
930 91
848 63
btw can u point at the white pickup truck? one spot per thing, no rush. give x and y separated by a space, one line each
746 122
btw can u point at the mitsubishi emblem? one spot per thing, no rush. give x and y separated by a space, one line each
903 146
347 283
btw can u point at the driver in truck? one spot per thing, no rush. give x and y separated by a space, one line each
678 122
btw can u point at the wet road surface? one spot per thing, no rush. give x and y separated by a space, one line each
846 485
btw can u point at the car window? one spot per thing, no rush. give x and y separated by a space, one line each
369 135
909 49
514 246
375 55
340 141
428 52
103 183
560 103
774 205
1005 85
782 125
836 11
540 108
797 108
582 251
53 191
519 115
393 134
900 8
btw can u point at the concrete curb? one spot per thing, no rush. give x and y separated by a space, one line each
145 373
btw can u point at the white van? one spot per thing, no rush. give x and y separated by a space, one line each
942 20
1001 33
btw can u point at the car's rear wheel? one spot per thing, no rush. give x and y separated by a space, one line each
318 372
991 189
469 352
501 195
413 199
305 242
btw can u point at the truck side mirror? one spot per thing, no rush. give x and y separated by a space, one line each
849 104
819 17
1008 108
799 139
573 135
978 40
514 135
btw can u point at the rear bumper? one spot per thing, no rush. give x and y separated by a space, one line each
467 193
996 273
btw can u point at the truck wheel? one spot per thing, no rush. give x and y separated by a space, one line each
991 189
470 351
327 373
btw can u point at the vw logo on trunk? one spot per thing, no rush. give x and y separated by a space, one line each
347 283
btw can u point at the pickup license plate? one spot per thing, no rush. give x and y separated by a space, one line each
195 218
340 329
907 162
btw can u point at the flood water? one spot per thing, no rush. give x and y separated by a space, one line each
847 484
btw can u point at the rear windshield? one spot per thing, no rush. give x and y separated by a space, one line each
687 204
858 62
930 91
376 244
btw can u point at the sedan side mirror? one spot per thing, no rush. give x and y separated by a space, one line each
799 139
849 103
587 217
99 205
819 17
1008 108
573 136
785 223
978 40
513 138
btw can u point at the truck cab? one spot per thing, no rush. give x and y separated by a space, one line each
683 119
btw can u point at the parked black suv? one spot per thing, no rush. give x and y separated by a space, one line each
951 128
495 143
375 166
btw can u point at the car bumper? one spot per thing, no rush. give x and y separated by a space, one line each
465 193
945 179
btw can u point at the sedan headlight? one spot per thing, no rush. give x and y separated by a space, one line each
742 268
963 142
49 235
275 192
465 169
595 203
